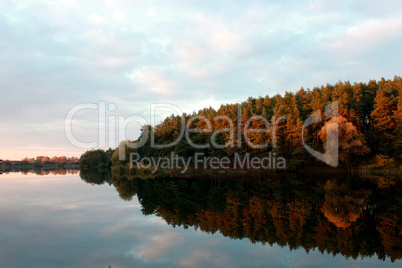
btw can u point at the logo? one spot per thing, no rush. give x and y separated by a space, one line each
114 127
330 156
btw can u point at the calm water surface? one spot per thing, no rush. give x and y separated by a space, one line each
64 221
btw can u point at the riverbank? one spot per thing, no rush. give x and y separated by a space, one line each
22 166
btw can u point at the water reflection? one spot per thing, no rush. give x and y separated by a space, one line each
351 216
343 205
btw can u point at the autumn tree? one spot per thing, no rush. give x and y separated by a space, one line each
398 122
383 115
351 143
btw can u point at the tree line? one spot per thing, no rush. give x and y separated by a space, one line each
369 120
96 159
72 159
42 161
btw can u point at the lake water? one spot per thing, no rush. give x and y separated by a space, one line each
101 221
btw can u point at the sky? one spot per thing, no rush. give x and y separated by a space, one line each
118 58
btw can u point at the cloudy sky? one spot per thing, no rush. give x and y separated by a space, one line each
55 55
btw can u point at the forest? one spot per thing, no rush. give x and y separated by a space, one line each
357 215
369 121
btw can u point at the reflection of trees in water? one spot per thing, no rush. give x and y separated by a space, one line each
43 172
342 205
92 176
123 184
285 210
389 221
126 187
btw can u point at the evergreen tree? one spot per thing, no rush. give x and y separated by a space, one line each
383 116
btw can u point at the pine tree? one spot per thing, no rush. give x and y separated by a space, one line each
383 116
398 121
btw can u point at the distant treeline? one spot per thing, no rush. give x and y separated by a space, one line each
40 163
45 171
56 159
369 121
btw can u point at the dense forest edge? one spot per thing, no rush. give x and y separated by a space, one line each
369 122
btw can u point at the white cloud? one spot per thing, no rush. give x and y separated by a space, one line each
366 36
119 16
151 12
97 19
225 40
155 81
